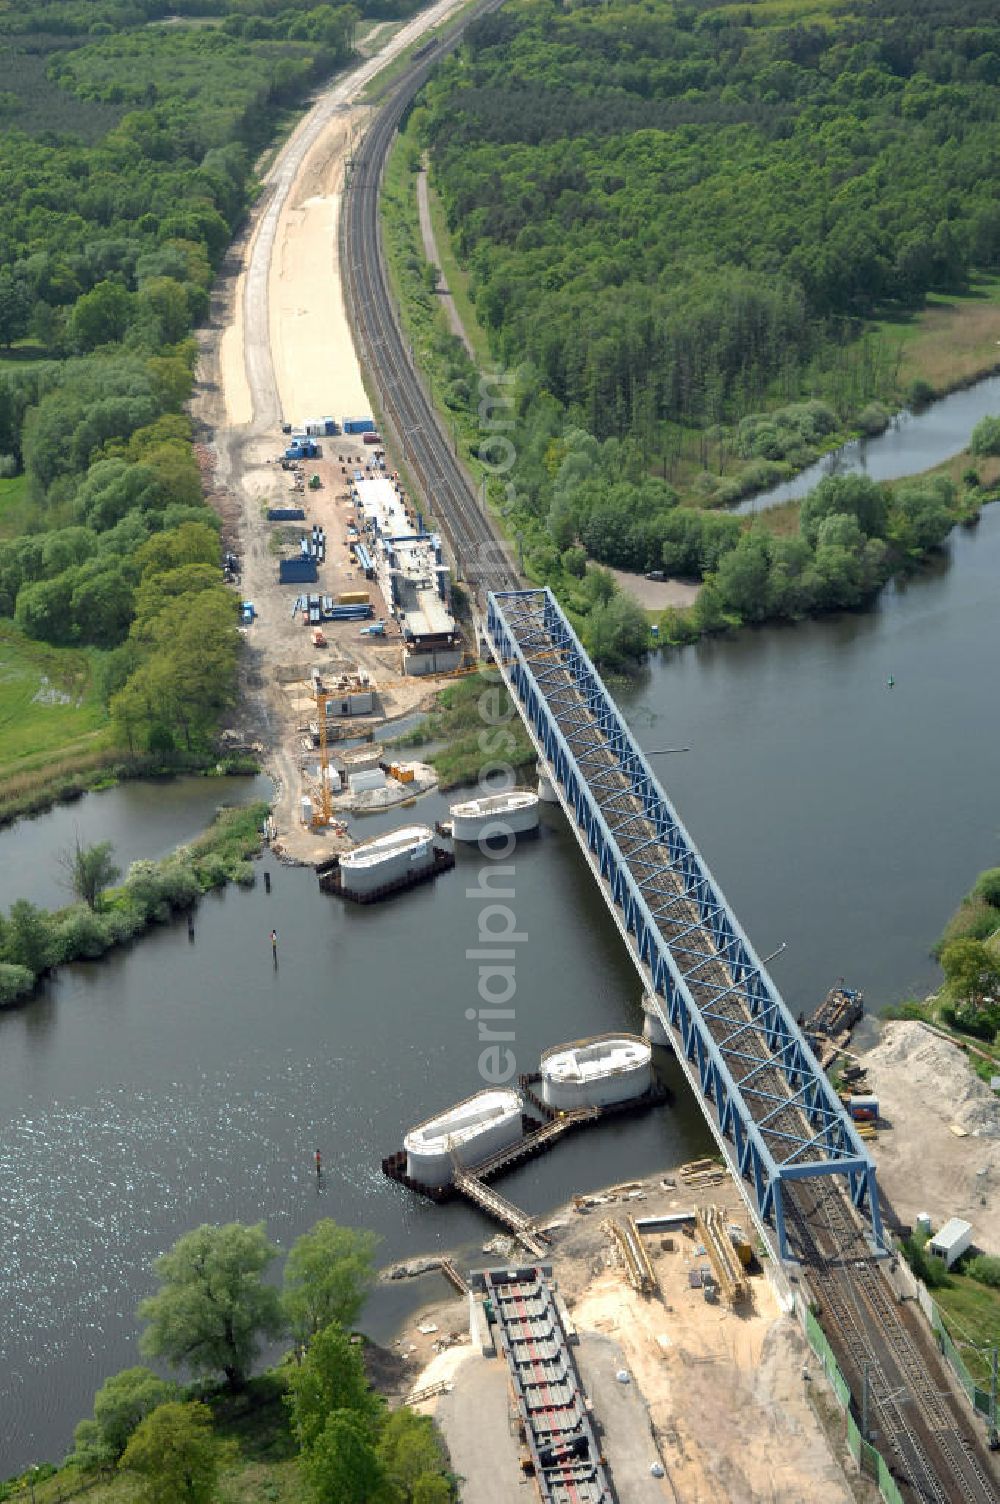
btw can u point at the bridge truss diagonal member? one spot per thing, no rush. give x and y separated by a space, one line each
768 1102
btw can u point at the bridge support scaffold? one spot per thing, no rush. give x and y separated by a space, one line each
770 1106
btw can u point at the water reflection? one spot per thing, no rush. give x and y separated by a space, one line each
914 441
142 820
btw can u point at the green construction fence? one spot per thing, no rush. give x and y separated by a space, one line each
869 1459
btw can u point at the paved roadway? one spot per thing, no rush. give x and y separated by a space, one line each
482 1445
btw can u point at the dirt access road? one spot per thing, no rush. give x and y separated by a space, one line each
279 348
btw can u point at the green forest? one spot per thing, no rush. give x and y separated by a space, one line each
690 230
126 148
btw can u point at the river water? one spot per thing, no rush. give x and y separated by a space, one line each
143 821
912 443
181 1082
184 1081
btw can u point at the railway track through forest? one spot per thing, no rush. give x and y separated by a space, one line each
480 555
887 1354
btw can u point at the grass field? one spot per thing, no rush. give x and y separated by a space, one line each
263 1470
951 341
788 12
458 723
781 521
48 702
14 506
972 1313
458 283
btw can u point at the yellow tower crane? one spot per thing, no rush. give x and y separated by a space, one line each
323 817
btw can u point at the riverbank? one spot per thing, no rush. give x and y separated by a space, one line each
938 1144
25 794
937 1154
37 941
473 732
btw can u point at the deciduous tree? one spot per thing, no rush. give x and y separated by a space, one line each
175 1454
89 870
330 1377
342 1466
213 1308
328 1273
972 971
121 1403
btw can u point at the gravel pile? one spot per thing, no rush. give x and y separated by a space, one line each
909 1055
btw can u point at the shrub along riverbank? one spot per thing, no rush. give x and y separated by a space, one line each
34 941
478 726
967 1006
30 790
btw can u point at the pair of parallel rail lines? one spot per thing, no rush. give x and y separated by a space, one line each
932 1454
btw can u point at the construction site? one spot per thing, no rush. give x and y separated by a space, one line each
678 1350
716 1398
336 598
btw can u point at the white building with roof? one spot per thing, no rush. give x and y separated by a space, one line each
951 1240
412 574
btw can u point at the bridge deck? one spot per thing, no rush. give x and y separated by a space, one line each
760 1084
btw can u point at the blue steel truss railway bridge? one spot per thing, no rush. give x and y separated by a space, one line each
807 1177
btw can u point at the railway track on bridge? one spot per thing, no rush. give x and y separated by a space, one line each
918 1419
926 1434
480 556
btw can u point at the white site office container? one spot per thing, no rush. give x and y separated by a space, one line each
951 1241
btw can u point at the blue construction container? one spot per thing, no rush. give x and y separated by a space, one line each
285 514
348 613
298 571
359 425
331 426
